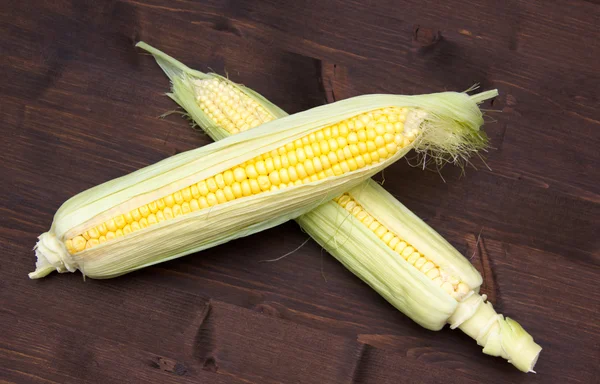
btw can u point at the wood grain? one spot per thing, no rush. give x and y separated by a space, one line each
80 106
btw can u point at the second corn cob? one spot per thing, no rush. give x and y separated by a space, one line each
366 229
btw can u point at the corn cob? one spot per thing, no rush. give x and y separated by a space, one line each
366 229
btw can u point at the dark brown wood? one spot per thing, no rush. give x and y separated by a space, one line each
80 105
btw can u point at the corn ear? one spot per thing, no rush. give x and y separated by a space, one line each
350 228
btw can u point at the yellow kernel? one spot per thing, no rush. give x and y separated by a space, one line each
251 172
337 170
292 159
347 153
359 161
343 200
135 226
343 129
152 206
318 167
354 150
274 188
254 187
335 131
393 242
290 147
352 138
413 257
371 134
228 178
308 152
85 235
246 190
333 159
127 228
340 155
367 158
421 261
284 176
358 124
333 144
93 242
374 225
212 200
211 184
306 180
221 196
93 233
426 267
202 188
400 247
387 237
194 206
301 171
407 251
319 135
220 180
398 127
269 164
274 178
203 203
375 156
381 231
260 167
371 147
312 138
176 211
145 211
321 175
327 132
264 182
228 192
79 243
351 125
102 229
301 155
298 143
389 128
329 172
324 146
314 177
239 174
362 136
380 129
344 166
368 220
277 162
316 149
169 202
362 147
309 167
432 273
379 142
383 153
324 162
102 239
292 174
352 164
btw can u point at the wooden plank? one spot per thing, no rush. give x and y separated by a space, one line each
80 106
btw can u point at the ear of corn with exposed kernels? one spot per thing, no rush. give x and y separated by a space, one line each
366 229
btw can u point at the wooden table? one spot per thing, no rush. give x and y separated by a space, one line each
80 106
